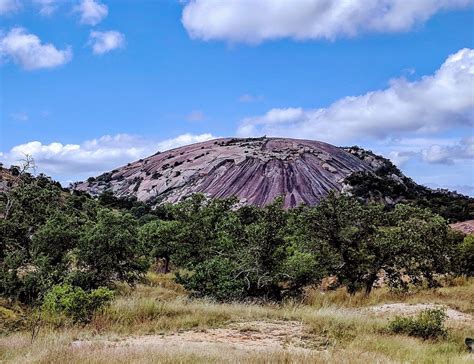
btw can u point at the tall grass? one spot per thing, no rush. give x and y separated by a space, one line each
333 321
456 294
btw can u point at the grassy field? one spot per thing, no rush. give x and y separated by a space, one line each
158 323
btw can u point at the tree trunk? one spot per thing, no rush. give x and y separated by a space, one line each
166 268
370 284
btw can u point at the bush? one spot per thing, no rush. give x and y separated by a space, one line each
428 324
466 256
75 303
109 251
214 278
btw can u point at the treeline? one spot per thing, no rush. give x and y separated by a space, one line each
273 253
55 242
388 185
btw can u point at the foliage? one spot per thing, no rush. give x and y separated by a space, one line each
388 185
109 251
273 253
74 302
345 230
466 256
50 237
215 278
31 262
158 238
428 324
246 249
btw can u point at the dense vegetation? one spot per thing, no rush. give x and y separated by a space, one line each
388 185
67 251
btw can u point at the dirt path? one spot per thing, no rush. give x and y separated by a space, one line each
412 309
246 336
249 337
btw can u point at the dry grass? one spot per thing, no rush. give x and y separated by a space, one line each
455 293
335 327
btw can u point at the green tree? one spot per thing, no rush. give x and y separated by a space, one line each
346 230
427 248
466 256
249 253
29 258
159 238
109 251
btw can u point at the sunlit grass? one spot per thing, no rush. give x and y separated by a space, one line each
340 328
457 295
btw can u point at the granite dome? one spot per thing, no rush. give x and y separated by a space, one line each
255 170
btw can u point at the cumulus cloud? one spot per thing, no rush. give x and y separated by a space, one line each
69 162
104 42
184 139
449 154
47 7
92 12
27 50
253 21
434 103
439 150
9 6
399 158
19 116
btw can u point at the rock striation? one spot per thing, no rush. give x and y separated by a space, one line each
255 170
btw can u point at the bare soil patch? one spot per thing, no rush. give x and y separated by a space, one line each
412 309
241 336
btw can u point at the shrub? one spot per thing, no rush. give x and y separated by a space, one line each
428 324
109 251
466 256
75 303
214 278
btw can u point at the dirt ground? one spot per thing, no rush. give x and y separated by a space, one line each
246 336
254 335
406 309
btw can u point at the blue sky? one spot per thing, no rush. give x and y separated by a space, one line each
89 85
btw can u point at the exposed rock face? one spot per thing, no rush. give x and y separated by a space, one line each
254 170
466 227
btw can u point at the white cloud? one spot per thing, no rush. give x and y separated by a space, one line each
253 21
104 42
9 6
449 154
427 150
184 139
92 12
19 116
27 50
195 115
47 7
442 101
399 158
69 162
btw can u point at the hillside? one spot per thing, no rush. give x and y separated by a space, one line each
255 170
385 183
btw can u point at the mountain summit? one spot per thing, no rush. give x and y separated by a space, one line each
255 170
